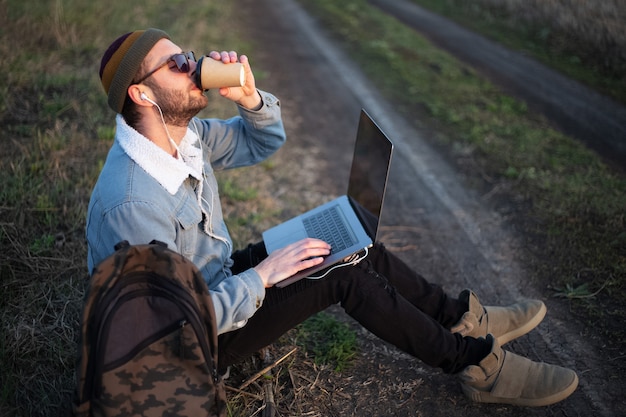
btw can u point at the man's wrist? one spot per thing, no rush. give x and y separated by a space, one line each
254 104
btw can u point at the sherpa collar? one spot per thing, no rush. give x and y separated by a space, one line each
168 171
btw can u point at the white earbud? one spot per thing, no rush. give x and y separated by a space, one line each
143 96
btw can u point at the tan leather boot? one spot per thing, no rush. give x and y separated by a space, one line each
505 323
507 378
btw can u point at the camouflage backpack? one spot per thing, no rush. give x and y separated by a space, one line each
148 342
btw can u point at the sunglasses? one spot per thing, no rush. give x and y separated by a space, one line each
181 63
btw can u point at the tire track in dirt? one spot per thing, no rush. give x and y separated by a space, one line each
598 121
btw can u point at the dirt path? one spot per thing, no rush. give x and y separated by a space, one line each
447 232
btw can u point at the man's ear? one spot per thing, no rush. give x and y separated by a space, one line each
138 94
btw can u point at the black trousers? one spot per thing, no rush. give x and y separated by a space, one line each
381 292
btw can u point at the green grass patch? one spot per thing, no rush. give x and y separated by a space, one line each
231 189
330 341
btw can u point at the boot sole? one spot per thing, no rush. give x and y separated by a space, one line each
520 331
486 397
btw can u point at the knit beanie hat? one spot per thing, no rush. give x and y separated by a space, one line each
122 60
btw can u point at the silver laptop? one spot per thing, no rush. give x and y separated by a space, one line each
348 223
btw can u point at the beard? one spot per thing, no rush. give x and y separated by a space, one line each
177 106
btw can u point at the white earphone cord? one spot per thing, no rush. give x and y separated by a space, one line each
167 132
352 262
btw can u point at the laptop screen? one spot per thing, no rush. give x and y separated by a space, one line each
369 172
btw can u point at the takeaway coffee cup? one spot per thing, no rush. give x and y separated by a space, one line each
215 74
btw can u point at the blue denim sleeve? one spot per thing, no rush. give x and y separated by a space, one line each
246 139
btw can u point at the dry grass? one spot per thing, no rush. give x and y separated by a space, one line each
56 132
599 25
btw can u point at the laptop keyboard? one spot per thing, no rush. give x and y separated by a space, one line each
329 226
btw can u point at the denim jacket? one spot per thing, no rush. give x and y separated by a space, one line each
143 193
